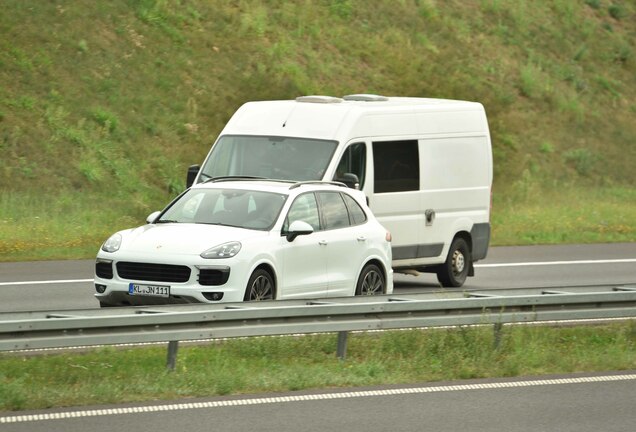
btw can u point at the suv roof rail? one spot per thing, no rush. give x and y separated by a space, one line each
314 182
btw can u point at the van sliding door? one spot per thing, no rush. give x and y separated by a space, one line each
396 202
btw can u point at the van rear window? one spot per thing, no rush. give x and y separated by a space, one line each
396 166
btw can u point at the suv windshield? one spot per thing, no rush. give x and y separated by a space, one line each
280 158
232 207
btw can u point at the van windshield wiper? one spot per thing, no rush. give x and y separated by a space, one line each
230 178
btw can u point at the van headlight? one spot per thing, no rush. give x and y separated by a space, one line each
226 250
112 244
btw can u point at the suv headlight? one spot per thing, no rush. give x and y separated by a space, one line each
226 250
112 244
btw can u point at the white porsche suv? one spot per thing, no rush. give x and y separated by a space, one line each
235 239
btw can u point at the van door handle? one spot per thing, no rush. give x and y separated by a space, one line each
322 242
362 239
430 216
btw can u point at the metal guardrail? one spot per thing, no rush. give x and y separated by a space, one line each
108 326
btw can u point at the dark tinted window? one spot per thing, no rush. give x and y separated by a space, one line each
334 210
396 166
356 214
354 161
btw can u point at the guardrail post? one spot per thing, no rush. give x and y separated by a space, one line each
342 345
173 347
498 330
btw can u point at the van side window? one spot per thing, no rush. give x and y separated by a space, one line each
354 161
356 214
304 208
396 166
334 211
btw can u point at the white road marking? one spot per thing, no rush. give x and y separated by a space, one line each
47 282
311 397
494 265
552 263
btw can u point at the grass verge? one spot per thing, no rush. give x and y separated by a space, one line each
276 364
564 215
62 227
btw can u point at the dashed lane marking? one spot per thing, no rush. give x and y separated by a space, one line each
311 397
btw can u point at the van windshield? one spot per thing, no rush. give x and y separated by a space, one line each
281 158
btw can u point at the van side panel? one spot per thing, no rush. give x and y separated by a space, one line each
385 124
455 163
401 214
455 186
452 122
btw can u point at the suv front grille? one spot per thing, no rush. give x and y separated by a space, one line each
153 272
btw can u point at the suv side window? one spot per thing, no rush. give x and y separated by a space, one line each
354 160
356 214
304 208
396 166
334 211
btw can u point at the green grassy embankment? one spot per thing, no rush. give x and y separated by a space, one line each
104 105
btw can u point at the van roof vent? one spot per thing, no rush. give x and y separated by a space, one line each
366 98
318 99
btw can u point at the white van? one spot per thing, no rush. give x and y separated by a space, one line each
425 166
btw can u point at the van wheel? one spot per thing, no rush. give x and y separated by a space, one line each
454 271
260 286
371 281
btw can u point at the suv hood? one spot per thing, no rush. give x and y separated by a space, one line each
182 238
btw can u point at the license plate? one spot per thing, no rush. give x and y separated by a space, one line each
149 290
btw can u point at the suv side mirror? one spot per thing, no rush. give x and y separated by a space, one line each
193 170
351 180
152 217
298 228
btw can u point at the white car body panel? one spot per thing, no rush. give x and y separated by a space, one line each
302 268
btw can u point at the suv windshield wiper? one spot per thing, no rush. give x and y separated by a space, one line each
166 221
219 223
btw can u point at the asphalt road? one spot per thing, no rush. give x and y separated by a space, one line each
572 403
58 285
577 403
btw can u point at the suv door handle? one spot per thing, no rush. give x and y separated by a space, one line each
322 242
362 239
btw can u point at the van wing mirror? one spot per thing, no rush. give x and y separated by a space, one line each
298 228
351 180
193 170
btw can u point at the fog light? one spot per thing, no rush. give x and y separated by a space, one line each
213 296
100 288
